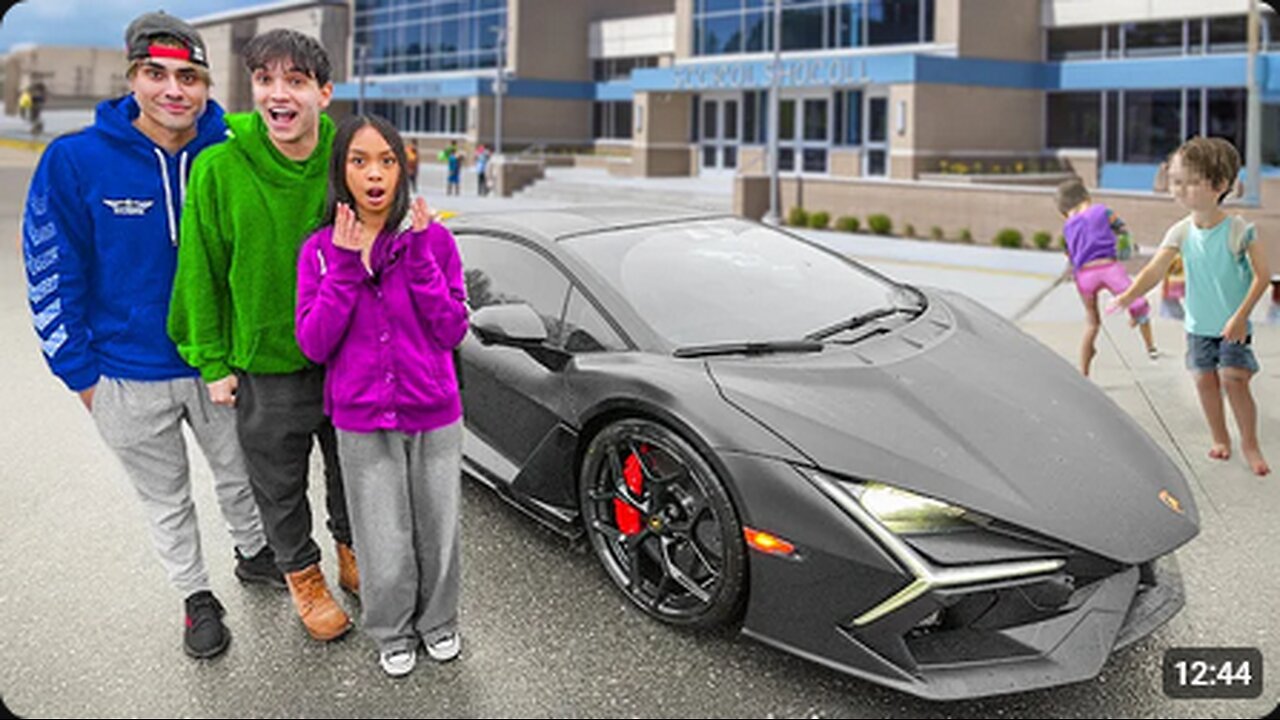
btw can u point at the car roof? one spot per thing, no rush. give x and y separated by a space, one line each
553 225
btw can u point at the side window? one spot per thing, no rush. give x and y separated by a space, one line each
586 330
500 272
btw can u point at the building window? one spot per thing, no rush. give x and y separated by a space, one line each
745 26
1153 38
1075 43
428 37
1153 125
1226 115
611 120
1271 137
606 69
847 111
1075 120
1228 34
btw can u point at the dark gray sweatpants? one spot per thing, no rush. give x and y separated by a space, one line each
404 495
278 417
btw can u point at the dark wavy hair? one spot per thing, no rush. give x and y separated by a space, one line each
303 52
338 190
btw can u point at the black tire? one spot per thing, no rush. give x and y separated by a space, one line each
685 564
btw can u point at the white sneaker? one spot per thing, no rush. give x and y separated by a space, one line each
446 648
398 663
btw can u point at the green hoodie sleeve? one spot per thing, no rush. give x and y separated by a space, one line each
200 310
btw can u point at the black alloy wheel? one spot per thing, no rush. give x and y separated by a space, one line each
662 524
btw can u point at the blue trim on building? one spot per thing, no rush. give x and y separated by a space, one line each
1127 176
984 73
1153 74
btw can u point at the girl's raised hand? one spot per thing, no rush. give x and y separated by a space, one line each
421 214
346 228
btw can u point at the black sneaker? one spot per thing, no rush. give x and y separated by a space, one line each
260 568
205 635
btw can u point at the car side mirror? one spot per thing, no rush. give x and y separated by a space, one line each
518 325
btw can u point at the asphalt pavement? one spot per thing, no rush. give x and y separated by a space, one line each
90 627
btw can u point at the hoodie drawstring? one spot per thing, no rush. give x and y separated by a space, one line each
182 178
168 196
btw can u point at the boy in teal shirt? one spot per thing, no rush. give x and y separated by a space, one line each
1227 274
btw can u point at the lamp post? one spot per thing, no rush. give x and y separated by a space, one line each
771 218
1253 113
361 51
499 87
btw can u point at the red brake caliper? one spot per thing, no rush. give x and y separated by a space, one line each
627 516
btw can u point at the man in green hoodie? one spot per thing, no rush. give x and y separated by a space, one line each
251 202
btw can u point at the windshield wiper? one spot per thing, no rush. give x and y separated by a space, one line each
749 348
859 320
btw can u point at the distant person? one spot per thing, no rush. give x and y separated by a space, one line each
482 170
1095 238
375 300
35 108
101 242
250 204
1227 273
453 161
1172 290
411 165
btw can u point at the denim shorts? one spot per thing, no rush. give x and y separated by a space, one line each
1207 354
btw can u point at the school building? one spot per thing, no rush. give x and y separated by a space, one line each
870 88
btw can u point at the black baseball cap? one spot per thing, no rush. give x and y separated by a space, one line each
145 29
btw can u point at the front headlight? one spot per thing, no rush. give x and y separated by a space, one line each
907 513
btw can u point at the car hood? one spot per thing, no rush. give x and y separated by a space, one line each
962 406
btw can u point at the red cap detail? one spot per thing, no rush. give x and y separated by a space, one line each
169 52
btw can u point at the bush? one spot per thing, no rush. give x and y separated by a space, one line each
820 220
966 236
936 233
880 224
848 223
1008 238
798 217
909 230
1042 240
1062 242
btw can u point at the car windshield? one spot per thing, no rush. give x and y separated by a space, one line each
728 280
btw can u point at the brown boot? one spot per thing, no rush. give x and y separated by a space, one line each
348 573
321 615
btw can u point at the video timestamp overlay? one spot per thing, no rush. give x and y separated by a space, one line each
1213 672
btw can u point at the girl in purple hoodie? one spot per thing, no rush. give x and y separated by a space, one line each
382 306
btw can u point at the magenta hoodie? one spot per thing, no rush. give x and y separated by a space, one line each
385 336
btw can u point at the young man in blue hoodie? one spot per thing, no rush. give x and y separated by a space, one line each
100 241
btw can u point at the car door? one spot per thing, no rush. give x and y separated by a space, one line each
511 401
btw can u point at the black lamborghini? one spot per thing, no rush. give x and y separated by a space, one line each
754 431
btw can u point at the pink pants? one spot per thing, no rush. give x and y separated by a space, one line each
1112 276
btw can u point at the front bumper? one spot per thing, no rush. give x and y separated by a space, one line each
966 642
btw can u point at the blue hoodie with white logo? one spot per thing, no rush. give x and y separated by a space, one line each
100 241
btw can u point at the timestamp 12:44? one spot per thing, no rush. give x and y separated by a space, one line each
1212 672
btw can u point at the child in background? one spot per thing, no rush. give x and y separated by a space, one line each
1093 236
1226 276
383 307
1172 290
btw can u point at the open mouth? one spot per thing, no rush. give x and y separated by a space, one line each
282 116
376 195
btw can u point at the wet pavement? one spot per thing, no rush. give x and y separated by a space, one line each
89 626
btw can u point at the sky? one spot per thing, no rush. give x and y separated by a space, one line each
99 23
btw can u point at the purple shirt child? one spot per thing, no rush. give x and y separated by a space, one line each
1091 235
385 335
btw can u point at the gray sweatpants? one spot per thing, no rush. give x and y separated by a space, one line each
403 493
142 422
